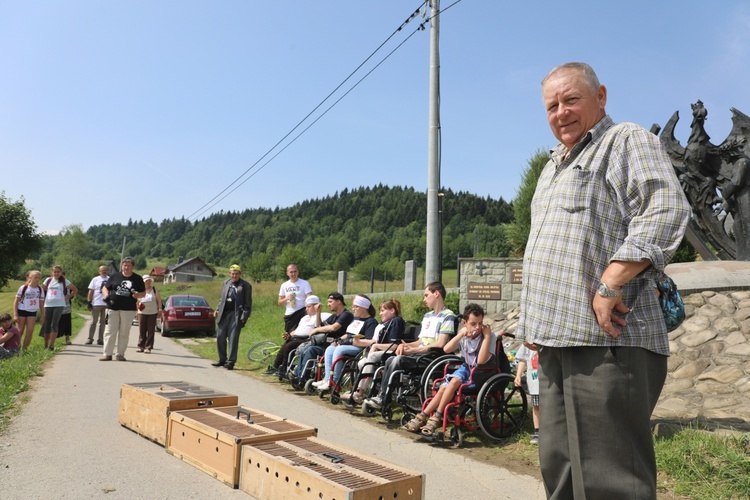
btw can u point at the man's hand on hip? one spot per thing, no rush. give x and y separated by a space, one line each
604 308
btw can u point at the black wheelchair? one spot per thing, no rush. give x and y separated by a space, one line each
372 369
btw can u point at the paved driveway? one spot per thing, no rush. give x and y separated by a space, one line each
69 444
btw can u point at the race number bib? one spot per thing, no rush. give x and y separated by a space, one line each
355 327
430 327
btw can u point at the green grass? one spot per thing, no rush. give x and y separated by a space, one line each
17 372
702 465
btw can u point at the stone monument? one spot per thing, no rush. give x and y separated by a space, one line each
716 181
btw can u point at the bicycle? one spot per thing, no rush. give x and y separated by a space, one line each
262 351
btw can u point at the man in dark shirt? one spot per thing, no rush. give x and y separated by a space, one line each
233 312
334 326
120 294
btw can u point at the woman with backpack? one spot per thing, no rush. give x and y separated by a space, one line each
29 300
58 290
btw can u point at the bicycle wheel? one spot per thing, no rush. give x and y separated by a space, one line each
261 351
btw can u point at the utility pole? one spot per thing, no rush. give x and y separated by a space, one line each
122 253
433 267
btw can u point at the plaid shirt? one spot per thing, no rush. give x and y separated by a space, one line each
614 198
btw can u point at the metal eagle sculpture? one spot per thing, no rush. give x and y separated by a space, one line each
716 181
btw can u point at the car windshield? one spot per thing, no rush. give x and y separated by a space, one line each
189 302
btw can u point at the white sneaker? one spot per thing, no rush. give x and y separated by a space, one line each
324 387
320 383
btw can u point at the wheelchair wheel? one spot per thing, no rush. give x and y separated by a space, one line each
501 407
346 384
405 418
457 437
261 351
433 372
367 410
387 412
310 389
409 396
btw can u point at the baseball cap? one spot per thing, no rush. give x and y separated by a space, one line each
337 296
312 299
235 267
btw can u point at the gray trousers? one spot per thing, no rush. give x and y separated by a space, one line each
98 315
595 407
228 330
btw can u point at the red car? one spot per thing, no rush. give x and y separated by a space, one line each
187 313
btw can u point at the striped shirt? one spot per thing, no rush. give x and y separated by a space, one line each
614 198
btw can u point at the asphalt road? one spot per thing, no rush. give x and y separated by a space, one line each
68 443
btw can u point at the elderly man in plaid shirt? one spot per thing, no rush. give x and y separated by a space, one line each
607 214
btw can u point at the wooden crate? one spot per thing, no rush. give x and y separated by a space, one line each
145 407
313 468
211 439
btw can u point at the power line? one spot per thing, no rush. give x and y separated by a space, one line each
302 132
201 210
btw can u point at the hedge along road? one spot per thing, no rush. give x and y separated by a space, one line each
68 443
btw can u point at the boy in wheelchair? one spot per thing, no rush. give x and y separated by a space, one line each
477 344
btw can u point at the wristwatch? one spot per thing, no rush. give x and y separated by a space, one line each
606 291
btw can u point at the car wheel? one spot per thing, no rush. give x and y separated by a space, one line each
165 333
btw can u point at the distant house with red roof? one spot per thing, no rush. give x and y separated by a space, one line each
188 271
158 273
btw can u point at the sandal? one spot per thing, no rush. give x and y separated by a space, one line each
432 425
415 423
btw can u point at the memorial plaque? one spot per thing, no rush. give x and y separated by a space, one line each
516 275
484 291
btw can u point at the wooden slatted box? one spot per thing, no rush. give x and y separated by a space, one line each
313 468
145 407
211 439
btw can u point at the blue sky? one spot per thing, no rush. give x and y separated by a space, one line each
148 109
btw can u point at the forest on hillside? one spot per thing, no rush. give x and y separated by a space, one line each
354 230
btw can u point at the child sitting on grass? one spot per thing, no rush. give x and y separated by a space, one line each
477 343
10 337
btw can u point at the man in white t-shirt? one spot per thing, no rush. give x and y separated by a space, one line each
292 295
97 306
